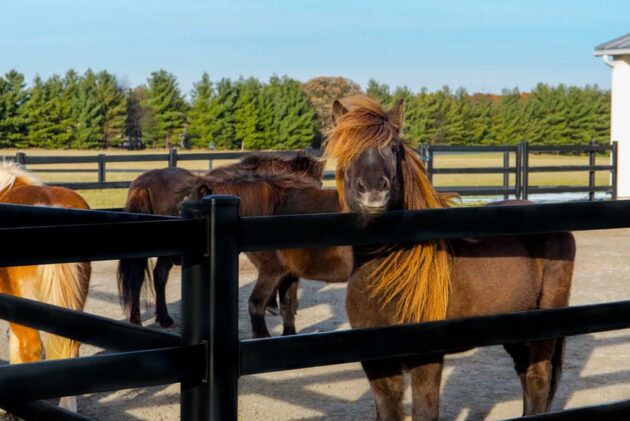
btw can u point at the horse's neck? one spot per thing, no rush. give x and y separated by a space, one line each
363 255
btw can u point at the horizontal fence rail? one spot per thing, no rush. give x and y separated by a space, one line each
320 230
101 373
317 349
83 327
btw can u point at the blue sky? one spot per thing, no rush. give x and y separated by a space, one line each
480 45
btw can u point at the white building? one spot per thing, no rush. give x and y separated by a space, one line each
616 54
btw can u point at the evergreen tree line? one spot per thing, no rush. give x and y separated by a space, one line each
94 110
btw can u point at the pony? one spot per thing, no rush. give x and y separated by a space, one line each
433 280
272 194
266 185
65 285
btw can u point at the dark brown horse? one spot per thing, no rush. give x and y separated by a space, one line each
376 172
266 185
264 195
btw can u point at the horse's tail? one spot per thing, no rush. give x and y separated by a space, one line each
64 285
132 272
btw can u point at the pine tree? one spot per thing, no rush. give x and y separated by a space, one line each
114 108
13 95
199 114
47 114
247 128
86 111
511 118
379 92
168 109
293 116
221 128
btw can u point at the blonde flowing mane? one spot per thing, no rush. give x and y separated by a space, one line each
414 280
10 173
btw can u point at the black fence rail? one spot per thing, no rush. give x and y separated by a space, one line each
209 358
516 162
515 169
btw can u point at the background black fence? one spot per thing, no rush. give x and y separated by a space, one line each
208 358
516 168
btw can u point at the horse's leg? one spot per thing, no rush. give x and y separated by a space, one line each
388 385
25 344
266 285
545 356
425 388
160 277
288 303
538 377
272 305
520 355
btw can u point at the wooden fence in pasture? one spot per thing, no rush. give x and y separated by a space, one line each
516 168
209 358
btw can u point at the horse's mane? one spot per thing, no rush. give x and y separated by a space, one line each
11 172
416 279
301 164
261 194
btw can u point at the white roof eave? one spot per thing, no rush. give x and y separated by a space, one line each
611 52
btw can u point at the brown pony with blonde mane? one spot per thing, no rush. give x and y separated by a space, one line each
420 275
65 285
433 280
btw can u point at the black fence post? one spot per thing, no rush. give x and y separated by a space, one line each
525 170
20 158
615 167
518 175
591 172
430 163
172 157
195 398
101 168
224 342
506 174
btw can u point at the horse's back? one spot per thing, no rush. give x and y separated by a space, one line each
45 196
506 274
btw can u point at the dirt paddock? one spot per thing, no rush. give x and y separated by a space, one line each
477 385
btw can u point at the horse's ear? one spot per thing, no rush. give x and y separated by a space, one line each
200 190
396 113
338 110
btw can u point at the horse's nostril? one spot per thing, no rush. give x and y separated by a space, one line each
384 184
361 186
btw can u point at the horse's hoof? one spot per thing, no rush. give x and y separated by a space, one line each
165 321
261 335
135 321
288 331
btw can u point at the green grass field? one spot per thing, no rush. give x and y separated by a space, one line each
116 197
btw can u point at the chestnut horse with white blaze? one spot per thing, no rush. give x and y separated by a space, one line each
433 280
65 285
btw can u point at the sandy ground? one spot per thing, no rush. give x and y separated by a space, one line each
477 385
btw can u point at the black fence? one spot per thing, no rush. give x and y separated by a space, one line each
516 168
208 358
